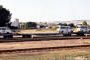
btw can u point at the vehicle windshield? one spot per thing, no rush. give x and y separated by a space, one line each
82 27
65 28
3 28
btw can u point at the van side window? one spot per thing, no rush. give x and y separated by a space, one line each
3 29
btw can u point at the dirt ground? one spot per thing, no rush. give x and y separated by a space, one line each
76 54
41 44
60 54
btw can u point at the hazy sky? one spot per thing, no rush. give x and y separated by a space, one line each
48 10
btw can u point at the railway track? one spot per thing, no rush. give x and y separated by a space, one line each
33 50
43 38
41 49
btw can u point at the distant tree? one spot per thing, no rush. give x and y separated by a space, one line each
31 24
63 24
60 24
23 25
5 16
84 23
71 25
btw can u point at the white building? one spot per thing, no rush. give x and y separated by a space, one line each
15 23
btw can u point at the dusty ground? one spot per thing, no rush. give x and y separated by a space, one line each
70 54
40 44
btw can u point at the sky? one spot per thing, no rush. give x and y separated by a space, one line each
48 10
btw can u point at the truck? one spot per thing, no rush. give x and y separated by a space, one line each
80 30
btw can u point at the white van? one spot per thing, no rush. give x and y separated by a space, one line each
5 30
65 30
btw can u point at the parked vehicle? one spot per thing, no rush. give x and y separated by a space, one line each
65 30
80 29
6 32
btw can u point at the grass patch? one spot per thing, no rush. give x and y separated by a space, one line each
56 55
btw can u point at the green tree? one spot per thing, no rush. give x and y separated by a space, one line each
84 23
63 24
32 25
5 16
71 25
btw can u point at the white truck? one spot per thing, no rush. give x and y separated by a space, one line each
65 30
6 32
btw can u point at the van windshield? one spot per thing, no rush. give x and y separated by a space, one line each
3 29
82 27
65 27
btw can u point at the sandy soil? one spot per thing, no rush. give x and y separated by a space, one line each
40 44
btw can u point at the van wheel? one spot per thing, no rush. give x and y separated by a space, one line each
69 34
65 34
8 36
80 34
